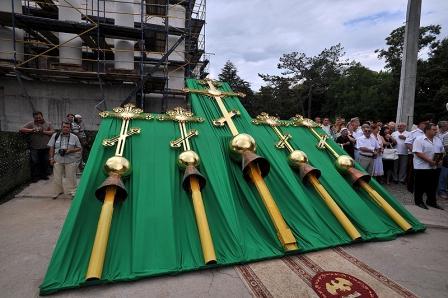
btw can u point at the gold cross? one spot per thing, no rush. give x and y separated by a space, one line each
126 113
182 116
274 122
218 95
283 142
299 120
322 142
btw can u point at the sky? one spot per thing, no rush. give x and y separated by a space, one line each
254 34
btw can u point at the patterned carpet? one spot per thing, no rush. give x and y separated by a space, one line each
328 273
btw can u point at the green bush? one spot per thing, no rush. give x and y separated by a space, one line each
14 161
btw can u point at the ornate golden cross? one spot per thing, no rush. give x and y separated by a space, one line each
244 146
218 95
113 187
299 120
126 113
274 122
193 180
182 116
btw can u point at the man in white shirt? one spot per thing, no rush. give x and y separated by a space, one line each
357 133
326 126
400 164
418 131
65 154
426 149
368 149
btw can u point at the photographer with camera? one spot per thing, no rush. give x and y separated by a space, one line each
65 155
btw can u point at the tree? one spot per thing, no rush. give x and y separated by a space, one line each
277 98
229 74
432 82
314 74
361 92
395 41
431 73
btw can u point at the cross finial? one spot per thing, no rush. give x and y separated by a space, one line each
218 95
179 114
266 119
299 120
213 91
126 113
272 121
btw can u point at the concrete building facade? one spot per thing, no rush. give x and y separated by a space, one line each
83 56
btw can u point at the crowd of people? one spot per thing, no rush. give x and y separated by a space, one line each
60 152
391 154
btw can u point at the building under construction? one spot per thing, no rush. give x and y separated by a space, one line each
82 56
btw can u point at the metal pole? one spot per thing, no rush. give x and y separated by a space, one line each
103 100
13 16
142 52
165 68
406 97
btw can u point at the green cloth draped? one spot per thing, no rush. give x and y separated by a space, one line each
154 231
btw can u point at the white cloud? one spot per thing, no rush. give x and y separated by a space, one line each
253 34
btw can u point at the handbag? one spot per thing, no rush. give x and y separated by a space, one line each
390 153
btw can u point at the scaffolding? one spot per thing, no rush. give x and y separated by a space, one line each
163 40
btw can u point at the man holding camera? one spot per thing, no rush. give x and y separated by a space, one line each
65 154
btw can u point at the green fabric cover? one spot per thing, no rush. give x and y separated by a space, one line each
154 231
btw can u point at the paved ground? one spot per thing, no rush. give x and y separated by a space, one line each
30 225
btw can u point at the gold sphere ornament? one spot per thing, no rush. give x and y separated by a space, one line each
241 143
344 163
188 158
296 158
118 165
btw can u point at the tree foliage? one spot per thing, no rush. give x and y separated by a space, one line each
393 54
229 74
327 85
313 73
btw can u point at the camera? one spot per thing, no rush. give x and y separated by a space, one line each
62 152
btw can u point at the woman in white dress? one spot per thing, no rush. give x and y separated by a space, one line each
378 170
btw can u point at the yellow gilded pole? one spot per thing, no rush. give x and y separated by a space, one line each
337 212
205 236
96 262
283 232
112 188
243 147
299 160
399 220
345 164
193 180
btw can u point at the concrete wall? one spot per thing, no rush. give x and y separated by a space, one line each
54 100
